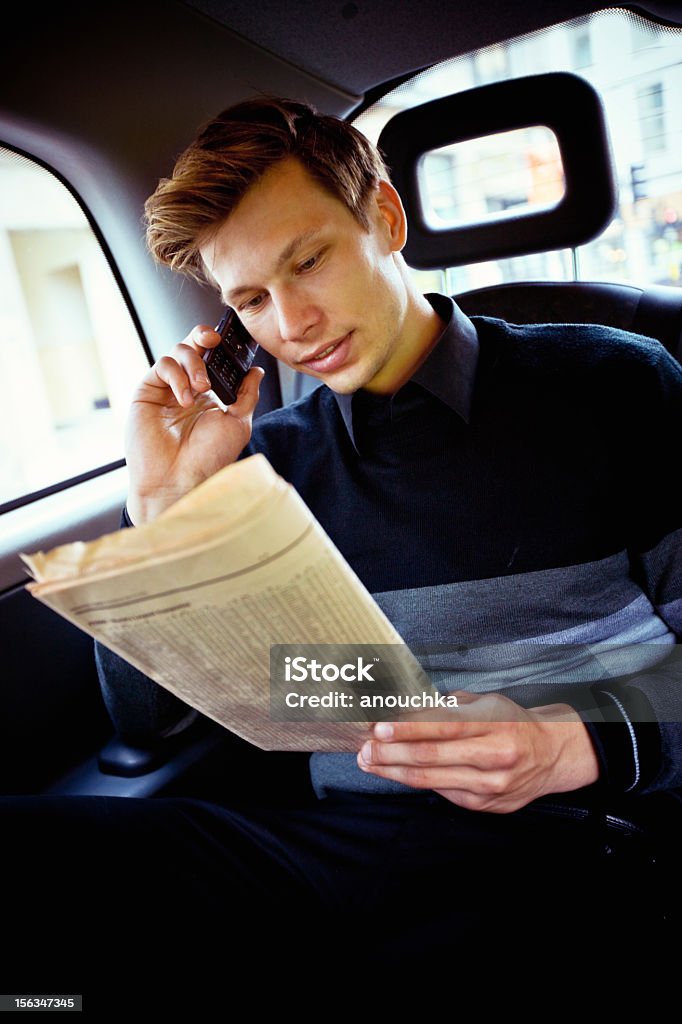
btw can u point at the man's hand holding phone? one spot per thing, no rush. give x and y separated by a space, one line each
178 434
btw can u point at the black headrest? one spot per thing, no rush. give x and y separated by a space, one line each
563 102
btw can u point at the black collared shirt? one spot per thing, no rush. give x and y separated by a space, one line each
448 374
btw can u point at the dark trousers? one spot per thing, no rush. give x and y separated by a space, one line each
178 899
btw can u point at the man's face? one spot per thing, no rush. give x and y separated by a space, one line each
311 285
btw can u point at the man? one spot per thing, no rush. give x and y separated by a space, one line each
503 491
292 217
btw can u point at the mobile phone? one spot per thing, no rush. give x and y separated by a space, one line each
228 363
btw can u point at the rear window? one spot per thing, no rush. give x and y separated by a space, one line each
636 66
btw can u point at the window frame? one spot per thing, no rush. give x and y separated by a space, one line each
79 478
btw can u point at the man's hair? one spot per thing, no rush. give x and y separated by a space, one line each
233 151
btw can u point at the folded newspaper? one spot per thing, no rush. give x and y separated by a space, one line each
237 577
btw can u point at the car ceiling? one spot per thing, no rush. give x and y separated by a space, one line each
358 45
108 94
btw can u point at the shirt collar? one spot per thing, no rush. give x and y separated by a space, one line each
449 370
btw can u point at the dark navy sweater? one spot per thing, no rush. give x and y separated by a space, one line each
513 509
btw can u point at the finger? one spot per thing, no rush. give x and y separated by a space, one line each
486 783
476 753
475 714
201 338
193 365
247 396
166 374
414 730
187 356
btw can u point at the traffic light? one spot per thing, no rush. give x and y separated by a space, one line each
638 182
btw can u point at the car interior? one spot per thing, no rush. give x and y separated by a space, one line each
101 99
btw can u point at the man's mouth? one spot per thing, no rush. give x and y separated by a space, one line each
326 352
328 357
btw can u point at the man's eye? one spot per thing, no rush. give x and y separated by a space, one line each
253 303
308 264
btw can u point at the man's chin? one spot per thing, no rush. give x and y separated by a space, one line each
340 383
342 387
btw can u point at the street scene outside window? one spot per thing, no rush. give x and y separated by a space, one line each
69 352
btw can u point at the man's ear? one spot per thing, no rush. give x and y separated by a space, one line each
391 214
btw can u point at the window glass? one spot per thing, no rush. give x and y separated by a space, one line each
69 352
650 115
481 179
582 49
636 67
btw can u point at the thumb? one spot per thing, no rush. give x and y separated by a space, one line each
247 396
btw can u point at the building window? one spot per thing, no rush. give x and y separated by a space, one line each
582 49
650 114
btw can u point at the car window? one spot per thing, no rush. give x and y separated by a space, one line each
636 67
69 351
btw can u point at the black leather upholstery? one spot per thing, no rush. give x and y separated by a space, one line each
654 311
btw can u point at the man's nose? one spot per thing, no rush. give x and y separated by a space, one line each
297 317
